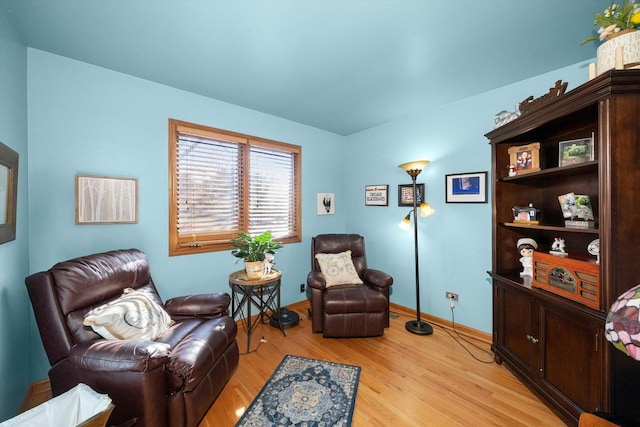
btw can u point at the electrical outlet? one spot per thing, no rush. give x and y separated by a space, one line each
301 287
451 296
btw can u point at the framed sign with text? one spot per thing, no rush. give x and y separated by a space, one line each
376 195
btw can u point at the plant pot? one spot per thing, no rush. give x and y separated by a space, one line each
254 269
606 53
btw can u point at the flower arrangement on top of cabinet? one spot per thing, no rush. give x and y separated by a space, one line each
614 19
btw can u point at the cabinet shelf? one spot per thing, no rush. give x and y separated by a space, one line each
551 228
556 172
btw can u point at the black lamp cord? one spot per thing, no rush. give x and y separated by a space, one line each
459 338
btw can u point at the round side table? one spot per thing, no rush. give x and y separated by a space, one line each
263 293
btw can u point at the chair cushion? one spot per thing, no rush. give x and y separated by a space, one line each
353 299
133 316
338 269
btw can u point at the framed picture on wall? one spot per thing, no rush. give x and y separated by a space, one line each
405 194
326 203
104 200
8 193
376 195
466 187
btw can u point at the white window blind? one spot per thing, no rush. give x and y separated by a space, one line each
271 191
209 194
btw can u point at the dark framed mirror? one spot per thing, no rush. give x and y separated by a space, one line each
8 193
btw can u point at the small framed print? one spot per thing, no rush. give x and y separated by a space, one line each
405 194
575 151
376 195
525 158
326 203
104 200
466 187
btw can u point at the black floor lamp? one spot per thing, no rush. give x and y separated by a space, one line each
414 169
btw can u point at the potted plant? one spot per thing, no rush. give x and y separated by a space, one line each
254 251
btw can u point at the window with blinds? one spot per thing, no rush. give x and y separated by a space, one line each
223 183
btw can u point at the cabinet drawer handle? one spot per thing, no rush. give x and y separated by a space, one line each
532 339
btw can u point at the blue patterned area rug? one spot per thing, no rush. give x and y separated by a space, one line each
306 393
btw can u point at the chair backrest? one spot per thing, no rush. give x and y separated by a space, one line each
336 243
63 295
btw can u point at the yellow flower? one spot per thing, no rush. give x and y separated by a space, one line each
635 18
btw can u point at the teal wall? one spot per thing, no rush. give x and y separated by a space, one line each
89 120
14 255
84 119
455 243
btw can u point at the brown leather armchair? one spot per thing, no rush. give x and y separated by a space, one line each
347 310
171 381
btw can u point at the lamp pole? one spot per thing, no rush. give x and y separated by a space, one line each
417 326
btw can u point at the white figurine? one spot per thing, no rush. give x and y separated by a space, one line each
504 117
268 264
526 246
512 170
557 247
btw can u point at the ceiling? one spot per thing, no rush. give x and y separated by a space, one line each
338 65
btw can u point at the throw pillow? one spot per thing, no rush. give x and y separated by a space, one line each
338 269
133 316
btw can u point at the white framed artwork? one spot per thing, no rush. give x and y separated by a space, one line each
104 200
326 204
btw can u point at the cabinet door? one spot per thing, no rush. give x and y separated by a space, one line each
571 368
515 336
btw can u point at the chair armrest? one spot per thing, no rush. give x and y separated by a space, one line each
120 355
203 305
315 280
377 278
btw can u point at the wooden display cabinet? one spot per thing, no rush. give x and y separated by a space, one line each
556 345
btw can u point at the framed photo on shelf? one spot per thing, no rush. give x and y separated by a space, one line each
468 187
376 195
405 194
525 158
575 151
104 200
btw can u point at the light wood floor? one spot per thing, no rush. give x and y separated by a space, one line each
406 379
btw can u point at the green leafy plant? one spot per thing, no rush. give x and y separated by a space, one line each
616 18
254 248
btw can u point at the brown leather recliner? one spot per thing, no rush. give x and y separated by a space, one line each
347 310
172 381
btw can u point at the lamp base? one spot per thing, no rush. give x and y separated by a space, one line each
419 327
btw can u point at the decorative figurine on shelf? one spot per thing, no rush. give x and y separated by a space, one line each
557 247
504 117
512 170
594 249
527 214
526 246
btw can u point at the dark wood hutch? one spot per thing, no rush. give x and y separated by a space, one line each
554 344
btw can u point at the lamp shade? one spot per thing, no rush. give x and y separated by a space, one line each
417 165
623 323
405 224
426 209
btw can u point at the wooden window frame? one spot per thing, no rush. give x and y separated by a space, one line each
221 241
